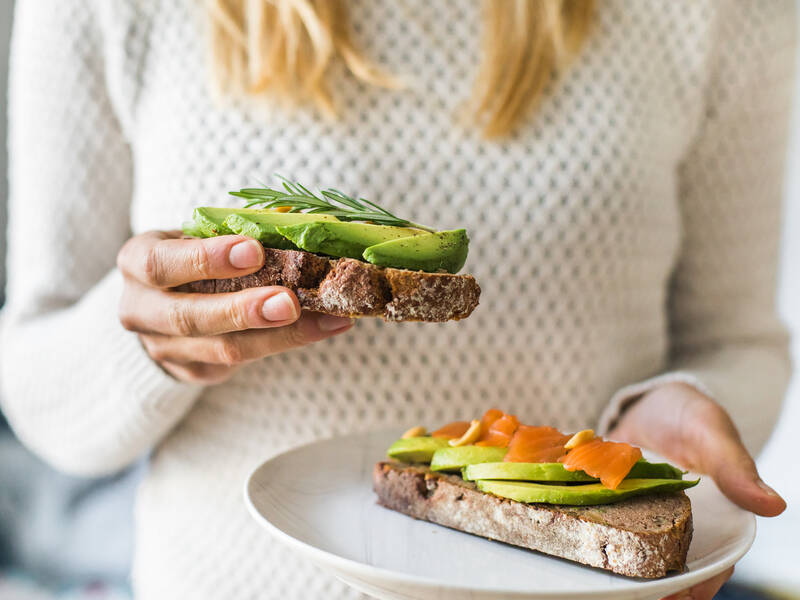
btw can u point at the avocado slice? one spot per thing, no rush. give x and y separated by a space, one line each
193 229
453 459
443 250
381 245
643 469
263 226
416 449
262 232
580 495
556 472
524 472
342 238
211 221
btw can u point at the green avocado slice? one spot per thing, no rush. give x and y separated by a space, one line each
643 469
381 245
443 250
556 472
580 495
343 239
524 472
193 229
209 221
415 449
262 232
453 459
264 226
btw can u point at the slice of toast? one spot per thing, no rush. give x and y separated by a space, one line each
351 288
647 536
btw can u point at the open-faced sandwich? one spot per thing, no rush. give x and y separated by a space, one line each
345 256
575 496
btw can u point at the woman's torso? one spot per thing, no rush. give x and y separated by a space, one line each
574 227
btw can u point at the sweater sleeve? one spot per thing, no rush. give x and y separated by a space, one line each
76 387
725 336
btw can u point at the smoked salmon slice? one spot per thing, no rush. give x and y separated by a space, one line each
499 433
452 430
489 417
536 444
610 462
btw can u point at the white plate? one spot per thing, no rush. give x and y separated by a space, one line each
318 499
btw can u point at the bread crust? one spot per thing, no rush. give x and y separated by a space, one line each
351 288
647 537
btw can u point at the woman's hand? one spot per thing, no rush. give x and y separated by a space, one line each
203 338
692 430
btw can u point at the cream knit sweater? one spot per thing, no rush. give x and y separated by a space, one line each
625 235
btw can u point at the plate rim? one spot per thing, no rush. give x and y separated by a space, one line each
328 559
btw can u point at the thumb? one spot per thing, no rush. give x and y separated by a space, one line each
723 456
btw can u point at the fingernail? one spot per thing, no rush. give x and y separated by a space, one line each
245 255
279 308
331 323
767 490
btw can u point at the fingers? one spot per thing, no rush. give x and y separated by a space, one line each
690 428
721 454
193 315
245 346
158 259
705 590
740 482
201 338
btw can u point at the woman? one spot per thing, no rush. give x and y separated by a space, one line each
624 222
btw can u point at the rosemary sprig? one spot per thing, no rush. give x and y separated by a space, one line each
330 202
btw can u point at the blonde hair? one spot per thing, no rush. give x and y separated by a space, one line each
285 48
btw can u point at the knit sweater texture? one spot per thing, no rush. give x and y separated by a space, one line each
626 234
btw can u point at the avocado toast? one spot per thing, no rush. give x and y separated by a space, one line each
343 256
622 513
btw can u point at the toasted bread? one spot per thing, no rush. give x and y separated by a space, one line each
647 536
351 288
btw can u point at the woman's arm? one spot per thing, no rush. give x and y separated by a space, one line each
87 347
726 338
77 387
728 344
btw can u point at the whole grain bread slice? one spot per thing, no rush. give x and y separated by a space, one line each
647 536
351 288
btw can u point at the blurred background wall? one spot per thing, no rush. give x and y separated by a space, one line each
772 561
